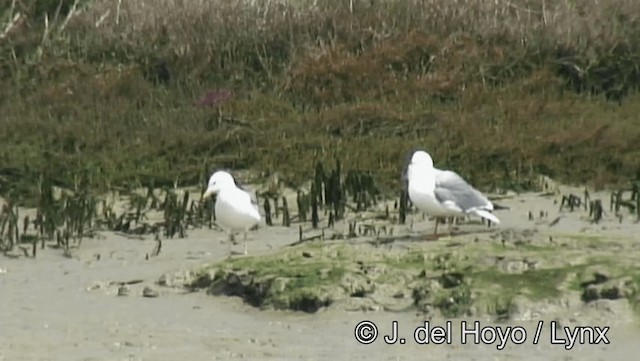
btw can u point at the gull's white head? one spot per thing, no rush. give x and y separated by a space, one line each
219 180
422 159
420 166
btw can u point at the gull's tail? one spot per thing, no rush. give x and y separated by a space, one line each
485 214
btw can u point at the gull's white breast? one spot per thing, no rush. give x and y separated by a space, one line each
422 184
234 210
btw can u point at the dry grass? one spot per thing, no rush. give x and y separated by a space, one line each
497 89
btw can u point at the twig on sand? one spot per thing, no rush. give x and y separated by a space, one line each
129 236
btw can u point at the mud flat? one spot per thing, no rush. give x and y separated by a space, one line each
109 300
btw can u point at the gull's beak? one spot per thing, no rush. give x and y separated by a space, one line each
208 193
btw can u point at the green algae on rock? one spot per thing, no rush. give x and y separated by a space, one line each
436 279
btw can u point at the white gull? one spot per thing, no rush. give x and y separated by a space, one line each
444 193
235 211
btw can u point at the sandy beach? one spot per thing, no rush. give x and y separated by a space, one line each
67 306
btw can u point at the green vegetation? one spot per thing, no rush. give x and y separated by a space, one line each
469 281
289 280
150 92
535 284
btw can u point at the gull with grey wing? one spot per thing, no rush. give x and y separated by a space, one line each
444 193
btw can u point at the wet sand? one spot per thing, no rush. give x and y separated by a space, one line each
55 307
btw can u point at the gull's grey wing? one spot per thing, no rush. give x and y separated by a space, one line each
450 187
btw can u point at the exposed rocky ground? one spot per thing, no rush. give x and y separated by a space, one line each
540 262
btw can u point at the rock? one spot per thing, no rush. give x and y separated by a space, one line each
361 304
425 295
202 280
357 286
515 236
593 275
392 296
324 273
97 286
176 279
451 279
532 264
149 292
309 302
123 290
612 290
591 293
513 266
279 284
373 271
476 280
522 309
